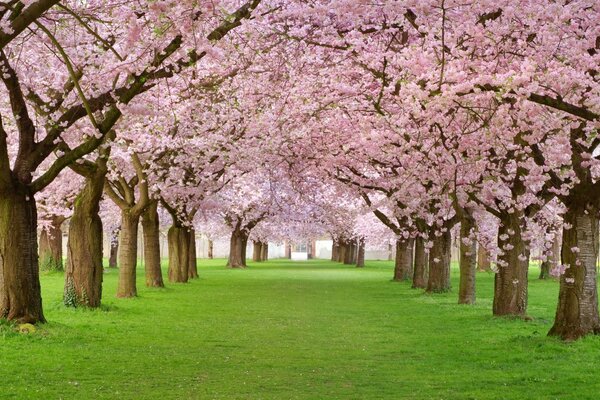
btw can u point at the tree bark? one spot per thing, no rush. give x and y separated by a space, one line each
257 251
403 269
264 251
179 242
237 249
577 309
51 257
20 294
83 272
128 244
288 250
211 246
114 249
510 283
360 258
335 250
151 231
468 261
349 253
420 274
483 260
192 255
439 264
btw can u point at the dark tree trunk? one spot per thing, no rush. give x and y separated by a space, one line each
288 250
264 251
20 294
510 283
349 253
420 274
179 242
150 225
257 251
468 262
577 309
403 269
51 257
83 272
128 245
237 249
483 260
360 258
211 247
192 255
553 259
114 249
439 263
342 249
335 250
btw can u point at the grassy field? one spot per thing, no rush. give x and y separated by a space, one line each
284 330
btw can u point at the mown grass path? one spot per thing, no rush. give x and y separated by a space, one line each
283 330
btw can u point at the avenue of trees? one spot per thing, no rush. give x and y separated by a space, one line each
409 123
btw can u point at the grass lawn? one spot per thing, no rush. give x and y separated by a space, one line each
304 330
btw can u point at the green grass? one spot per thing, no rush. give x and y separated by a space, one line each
284 330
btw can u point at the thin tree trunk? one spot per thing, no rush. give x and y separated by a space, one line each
237 249
552 261
439 263
420 274
51 257
211 246
128 244
510 283
20 294
468 262
192 255
360 258
577 309
483 260
150 225
335 250
179 241
264 251
114 249
83 272
256 251
403 269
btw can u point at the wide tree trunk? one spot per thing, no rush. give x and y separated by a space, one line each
192 255
128 244
20 294
150 225
510 282
577 309
211 246
264 251
257 251
342 249
360 258
237 249
439 263
51 257
84 269
114 249
468 262
483 259
420 274
403 269
349 253
553 259
179 263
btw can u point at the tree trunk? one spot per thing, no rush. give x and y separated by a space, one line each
439 264
510 283
257 251
468 262
360 258
211 247
288 250
264 251
150 225
552 261
483 261
179 242
114 249
349 253
83 272
403 269
51 257
390 252
20 294
577 309
342 248
192 255
128 243
421 265
237 249
335 250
